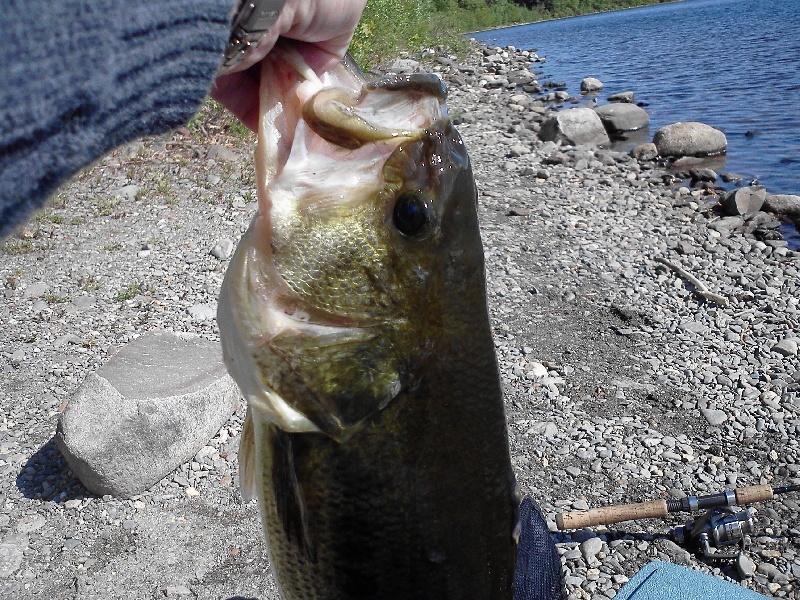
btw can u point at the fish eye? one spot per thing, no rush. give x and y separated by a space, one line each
412 215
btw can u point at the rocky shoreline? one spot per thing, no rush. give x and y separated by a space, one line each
624 380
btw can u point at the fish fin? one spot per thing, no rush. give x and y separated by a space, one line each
247 459
289 500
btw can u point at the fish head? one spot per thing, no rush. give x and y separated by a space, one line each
365 238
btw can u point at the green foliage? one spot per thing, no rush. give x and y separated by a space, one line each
388 27
104 207
14 247
128 293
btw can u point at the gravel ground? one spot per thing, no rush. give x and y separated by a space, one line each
623 384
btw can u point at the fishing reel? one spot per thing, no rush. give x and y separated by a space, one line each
717 528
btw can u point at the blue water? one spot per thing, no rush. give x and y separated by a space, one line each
734 64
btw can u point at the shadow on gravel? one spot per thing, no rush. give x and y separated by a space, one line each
582 535
46 476
241 598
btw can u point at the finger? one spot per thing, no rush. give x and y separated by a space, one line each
238 92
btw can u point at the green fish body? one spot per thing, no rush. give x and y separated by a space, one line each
354 318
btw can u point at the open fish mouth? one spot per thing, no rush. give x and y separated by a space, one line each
307 309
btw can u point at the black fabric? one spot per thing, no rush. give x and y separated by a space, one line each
538 573
80 77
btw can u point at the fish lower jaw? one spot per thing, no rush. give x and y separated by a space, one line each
280 325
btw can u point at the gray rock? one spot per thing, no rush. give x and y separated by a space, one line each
521 77
590 84
783 204
146 411
713 416
590 548
773 572
786 347
35 290
646 151
545 429
11 553
693 326
745 566
703 174
403 66
744 201
690 139
203 312
222 153
68 338
621 97
30 523
731 177
622 117
574 126
726 224
678 555
177 590
80 304
126 192
222 249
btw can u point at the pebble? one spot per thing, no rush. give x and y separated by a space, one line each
714 417
177 590
34 290
745 566
30 523
590 548
786 347
11 553
203 312
223 249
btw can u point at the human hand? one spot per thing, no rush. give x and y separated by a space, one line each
321 30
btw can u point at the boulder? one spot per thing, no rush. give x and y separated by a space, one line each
145 412
744 201
783 204
621 97
622 117
590 84
574 126
690 139
521 77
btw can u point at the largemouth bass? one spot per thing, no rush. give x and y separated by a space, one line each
353 316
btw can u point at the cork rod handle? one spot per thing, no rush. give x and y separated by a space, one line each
753 493
612 514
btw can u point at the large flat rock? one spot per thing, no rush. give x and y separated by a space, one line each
145 412
574 126
622 117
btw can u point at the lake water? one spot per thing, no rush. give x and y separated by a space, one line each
734 64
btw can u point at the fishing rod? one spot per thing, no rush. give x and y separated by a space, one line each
719 526
654 509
